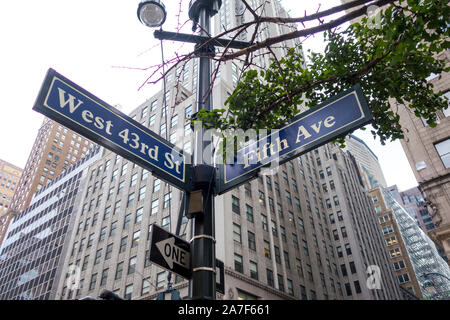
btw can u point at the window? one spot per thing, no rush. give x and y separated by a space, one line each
238 265
130 199
156 185
235 204
251 241
348 289
388 229
249 213
116 207
237 233
339 252
295 240
174 121
113 228
344 232
126 221
395 253
136 235
151 121
188 111
399 265
443 149
270 279
253 270
128 292
267 250
160 280
352 267
277 254
104 277
343 270
132 265
98 256
155 206
93 281
336 200
335 235
348 249
264 223
145 286
119 270
280 282
142 193
403 278
139 214
309 273
165 223
305 247
167 199
391 241
332 219
109 249
123 244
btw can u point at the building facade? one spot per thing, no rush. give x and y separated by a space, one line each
55 149
428 152
394 244
34 242
365 157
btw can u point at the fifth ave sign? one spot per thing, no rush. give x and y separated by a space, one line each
331 119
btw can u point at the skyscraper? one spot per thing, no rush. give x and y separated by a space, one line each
35 240
365 157
55 149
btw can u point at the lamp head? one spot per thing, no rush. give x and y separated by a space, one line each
152 13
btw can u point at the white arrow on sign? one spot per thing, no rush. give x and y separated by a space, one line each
173 254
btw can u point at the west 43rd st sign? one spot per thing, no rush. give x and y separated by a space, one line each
309 130
67 103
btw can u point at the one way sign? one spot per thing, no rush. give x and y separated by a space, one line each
170 252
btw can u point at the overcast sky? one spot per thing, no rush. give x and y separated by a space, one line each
101 46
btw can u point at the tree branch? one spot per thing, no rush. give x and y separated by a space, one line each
302 33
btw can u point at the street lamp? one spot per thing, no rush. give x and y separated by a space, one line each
152 13
202 285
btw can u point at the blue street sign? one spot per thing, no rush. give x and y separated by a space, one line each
309 130
69 104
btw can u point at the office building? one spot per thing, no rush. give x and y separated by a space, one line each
428 152
412 252
365 157
36 237
55 149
